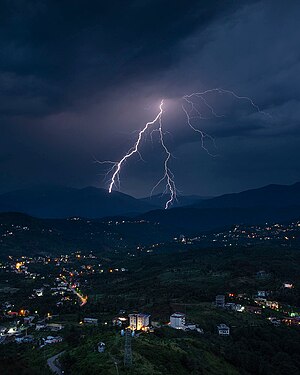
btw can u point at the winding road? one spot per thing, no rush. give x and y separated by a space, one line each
53 364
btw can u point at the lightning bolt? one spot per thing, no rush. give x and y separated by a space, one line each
192 111
168 176
117 165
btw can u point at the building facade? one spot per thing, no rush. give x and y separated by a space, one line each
177 320
138 322
220 301
223 330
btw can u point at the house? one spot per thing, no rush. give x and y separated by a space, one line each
39 292
260 301
92 321
101 347
40 325
6 306
155 324
276 322
230 306
177 320
12 314
190 327
28 339
139 321
223 330
253 310
234 307
239 308
274 305
13 331
262 274
29 319
220 301
54 327
52 340
2 339
295 321
261 293
119 321
24 340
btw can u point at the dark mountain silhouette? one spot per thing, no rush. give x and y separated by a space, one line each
268 204
267 196
159 200
32 235
62 202
192 220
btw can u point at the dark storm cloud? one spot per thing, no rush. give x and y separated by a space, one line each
78 78
56 53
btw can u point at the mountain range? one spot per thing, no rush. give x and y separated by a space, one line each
64 202
267 196
192 213
159 200
267 204
89 202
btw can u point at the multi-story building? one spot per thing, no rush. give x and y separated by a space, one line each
177 320
220 301
138 321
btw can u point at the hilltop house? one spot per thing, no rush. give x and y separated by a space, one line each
223 330
101 347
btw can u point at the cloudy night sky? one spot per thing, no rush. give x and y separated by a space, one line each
79 78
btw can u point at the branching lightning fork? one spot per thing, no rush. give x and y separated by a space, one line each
193 112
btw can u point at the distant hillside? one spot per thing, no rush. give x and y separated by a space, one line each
268 204
159 200
63 202
23 234
194 220
267 196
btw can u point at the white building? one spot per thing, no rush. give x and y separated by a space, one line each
139 321
54 326
39 292
223 330
190 327
234 307
40 326
101 347
90 321
261 293
52 340
177 320
239 308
